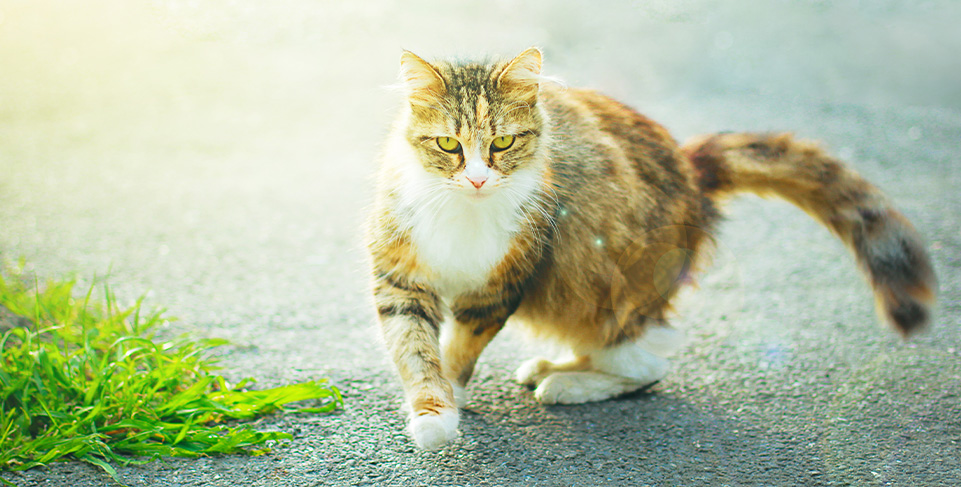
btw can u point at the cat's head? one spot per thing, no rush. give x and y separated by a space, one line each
475 124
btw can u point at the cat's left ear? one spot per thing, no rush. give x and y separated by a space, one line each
521 77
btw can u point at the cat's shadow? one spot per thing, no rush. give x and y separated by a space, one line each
643 391
648 436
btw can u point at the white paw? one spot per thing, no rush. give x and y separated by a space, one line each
563 388
533 371
581 387
432 431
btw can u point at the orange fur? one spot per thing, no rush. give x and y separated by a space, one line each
884 242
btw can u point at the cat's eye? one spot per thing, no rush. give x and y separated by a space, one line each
503 142
448 144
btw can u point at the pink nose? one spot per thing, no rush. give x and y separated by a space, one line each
477 181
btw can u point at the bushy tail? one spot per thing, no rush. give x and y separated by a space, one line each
886 245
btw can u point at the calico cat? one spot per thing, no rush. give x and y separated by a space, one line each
503 195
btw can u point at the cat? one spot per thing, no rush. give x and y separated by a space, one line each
502 194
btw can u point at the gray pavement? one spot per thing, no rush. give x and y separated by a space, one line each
219 155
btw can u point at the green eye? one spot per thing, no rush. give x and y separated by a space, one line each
502 143
448 144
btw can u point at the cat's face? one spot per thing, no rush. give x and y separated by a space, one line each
474 125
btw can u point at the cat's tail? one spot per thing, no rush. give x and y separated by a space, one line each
886 245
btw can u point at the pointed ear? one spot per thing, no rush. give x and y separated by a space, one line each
521 76
424 83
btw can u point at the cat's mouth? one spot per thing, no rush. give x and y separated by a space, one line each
478 193
475 191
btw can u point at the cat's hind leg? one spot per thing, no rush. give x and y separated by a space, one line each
532 372
614 371
581 387
602 374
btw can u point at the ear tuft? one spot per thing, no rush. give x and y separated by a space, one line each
521 77
424 83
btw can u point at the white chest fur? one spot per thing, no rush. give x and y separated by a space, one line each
460 238
461 241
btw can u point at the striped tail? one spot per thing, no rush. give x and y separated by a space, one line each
886 245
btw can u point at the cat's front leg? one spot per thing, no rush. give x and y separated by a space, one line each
476 322
410 318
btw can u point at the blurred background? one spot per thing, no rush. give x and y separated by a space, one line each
134 134
219 154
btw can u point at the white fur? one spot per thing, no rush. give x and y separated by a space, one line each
431 432
613 371
662 341
581 387
459 235
460 395
617 370
632 361
476 169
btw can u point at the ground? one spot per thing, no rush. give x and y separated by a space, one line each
219 155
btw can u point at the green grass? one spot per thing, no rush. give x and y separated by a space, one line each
84 379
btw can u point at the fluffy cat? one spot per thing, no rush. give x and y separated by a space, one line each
502 195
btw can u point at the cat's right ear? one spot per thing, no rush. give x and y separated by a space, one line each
423 82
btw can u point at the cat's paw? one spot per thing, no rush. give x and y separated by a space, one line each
581 387
564 388
533 371
432 431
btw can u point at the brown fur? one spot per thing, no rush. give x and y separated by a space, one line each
621 217
884 242
623 184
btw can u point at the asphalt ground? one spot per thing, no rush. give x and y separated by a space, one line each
218 156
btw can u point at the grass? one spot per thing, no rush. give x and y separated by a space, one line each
84 379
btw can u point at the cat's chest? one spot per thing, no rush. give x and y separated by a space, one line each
462 241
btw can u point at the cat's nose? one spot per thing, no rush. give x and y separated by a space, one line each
476 170
477 180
